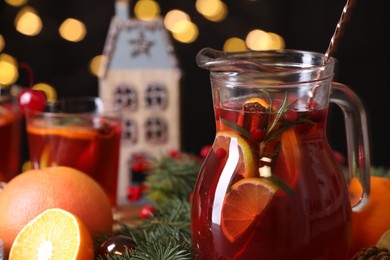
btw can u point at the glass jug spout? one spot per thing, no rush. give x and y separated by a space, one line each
284 66
215 60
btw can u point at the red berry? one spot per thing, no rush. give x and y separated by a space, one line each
312 105
316 116
147 211
290 116
340 158
32 99
205 151
134 193
220 153
139 167
174 154
231 113
257 134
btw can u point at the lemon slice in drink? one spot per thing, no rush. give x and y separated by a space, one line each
245 202
245 166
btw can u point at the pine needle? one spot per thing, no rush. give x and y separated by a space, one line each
171 177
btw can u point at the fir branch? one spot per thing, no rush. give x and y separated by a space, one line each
165 236
172 217
170 177
164 248
126 256
380 172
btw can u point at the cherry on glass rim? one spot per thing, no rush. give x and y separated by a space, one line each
32 100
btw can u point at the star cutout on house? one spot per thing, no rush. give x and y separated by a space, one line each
141 45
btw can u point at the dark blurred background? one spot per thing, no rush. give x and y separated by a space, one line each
304 24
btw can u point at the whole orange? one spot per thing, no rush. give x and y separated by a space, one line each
32 192
374 219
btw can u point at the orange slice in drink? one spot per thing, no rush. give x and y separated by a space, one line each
225 140
245 202
45 157
69 132
289 158
50 92
54 234
258 100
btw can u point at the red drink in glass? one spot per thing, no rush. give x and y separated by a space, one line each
88 142
10 136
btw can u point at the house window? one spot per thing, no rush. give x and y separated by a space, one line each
156 130
156 96
125 96
129 131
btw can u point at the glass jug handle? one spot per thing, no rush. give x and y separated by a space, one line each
356 126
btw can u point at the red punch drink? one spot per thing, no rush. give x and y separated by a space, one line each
10 136
263 196
88 142
271 187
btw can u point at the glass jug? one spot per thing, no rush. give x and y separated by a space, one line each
270 187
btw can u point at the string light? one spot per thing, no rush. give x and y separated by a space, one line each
213 10
72 30
174 16
16 3
28 22
8 70
185 31
234 44
95 64
277 41
146 10
260 40
2 43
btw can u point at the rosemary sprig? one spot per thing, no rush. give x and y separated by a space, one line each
284 127
281 110
239 129
273 130
281 184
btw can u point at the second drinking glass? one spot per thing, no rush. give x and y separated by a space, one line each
79 133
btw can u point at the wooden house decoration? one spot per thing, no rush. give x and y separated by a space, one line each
140 74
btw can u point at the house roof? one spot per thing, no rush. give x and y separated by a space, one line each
136 44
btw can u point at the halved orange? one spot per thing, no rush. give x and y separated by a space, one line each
246 165
245 202
54 234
